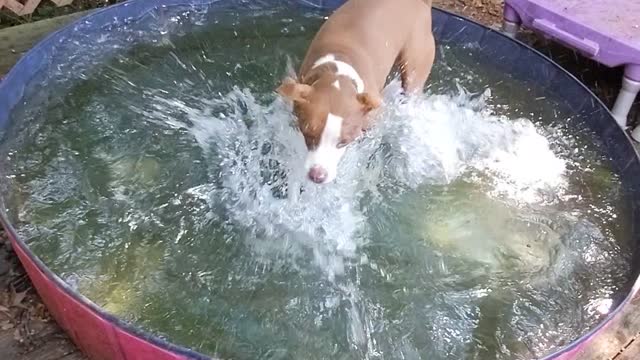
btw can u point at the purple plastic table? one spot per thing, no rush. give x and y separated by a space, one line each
605 31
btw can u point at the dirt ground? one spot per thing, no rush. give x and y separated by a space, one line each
48 10
487 12
26 329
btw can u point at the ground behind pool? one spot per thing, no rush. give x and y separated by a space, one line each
25 313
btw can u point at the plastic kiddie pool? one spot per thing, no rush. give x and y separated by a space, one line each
103 336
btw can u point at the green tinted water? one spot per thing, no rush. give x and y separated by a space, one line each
167 186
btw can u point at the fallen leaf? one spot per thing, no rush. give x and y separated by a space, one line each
40 312
17 335
4 309
18 298
6 325
4 298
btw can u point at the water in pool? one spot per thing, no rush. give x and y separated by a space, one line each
165 183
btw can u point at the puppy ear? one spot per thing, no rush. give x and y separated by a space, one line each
293 90
369 102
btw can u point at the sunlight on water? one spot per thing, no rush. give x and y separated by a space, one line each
168 187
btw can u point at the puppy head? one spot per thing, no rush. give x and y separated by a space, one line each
331 115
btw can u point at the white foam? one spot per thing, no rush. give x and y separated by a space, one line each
440 138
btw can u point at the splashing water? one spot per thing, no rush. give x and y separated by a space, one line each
454 229
429 141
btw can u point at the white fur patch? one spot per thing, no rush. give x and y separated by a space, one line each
327 155
336 84
344 69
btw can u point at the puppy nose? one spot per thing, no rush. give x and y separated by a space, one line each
317 174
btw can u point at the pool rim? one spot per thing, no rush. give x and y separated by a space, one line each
147 336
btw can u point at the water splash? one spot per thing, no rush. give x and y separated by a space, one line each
255 155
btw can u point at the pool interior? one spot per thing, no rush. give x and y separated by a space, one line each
120 187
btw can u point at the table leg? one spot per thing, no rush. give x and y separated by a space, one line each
627 95
511 21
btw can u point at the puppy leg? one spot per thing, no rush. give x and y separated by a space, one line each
416 60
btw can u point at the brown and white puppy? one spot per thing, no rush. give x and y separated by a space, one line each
346 67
